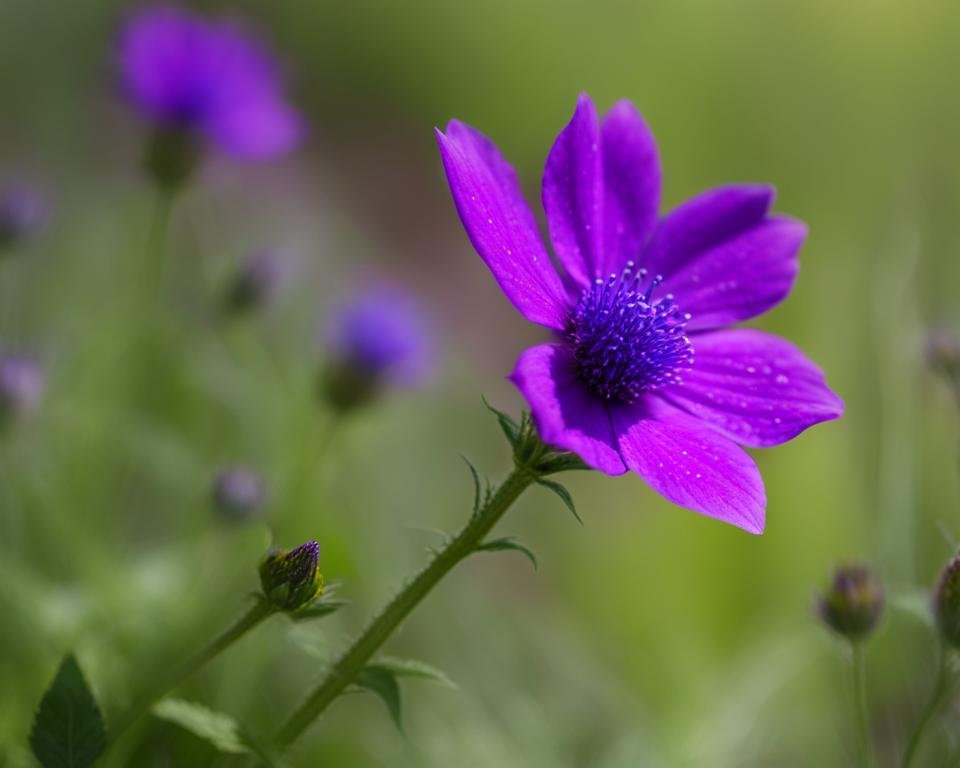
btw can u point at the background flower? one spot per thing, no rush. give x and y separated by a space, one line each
208 78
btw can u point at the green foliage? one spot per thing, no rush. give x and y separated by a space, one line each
324 606
221 730
511 430
68 730
382 678
564 495
507 544
383 683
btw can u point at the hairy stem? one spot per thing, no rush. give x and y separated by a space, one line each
258 612
936 694
860 702
349 665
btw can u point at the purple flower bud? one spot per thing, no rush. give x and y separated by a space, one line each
23 212
256 282
854 603
202 81
943 352
238 493
946 603
21 386
291 579
376 340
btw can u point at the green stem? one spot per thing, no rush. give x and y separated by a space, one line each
860 698
353 660
936 694
157 243
258 612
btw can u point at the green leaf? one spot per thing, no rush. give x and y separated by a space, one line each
318 609
501 545
510 428
478 493
382 682
564 495
68 730
221 730
561 462
413 668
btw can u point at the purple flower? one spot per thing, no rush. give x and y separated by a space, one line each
23 211
238 493
21 386
376 339
641 375
208 79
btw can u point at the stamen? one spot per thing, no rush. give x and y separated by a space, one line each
625 342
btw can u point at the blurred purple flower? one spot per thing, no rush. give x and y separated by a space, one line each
238 493
619 385
23 211
206 78
21 386
256 281
376 339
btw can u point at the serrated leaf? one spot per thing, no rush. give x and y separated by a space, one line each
414 668
217 728
506 544
563 493
477 485
68 730
510 427
382 682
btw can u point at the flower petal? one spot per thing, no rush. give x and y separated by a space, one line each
500 225
601 190
631 174
565 412
723 257
691 464
754 387
256 129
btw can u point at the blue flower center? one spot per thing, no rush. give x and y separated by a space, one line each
625 342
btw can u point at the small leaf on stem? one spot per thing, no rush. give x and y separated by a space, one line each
563 493
382 682
510 428
507 544
68 730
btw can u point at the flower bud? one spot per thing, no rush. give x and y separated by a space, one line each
854 603
22 213
946 603
256 282
943 352
238 493
376 341
21 386
291 579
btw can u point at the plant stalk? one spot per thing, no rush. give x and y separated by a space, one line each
345 670
860 699
936 694
258 612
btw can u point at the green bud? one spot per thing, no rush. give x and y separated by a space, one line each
946 603
291 579
172 156
853 604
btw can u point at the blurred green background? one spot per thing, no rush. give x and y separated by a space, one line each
650 636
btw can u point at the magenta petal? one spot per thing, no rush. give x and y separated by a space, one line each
601 190
754 387
500 225
723 258
690 464
573 194
257 130
631 173
565 412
